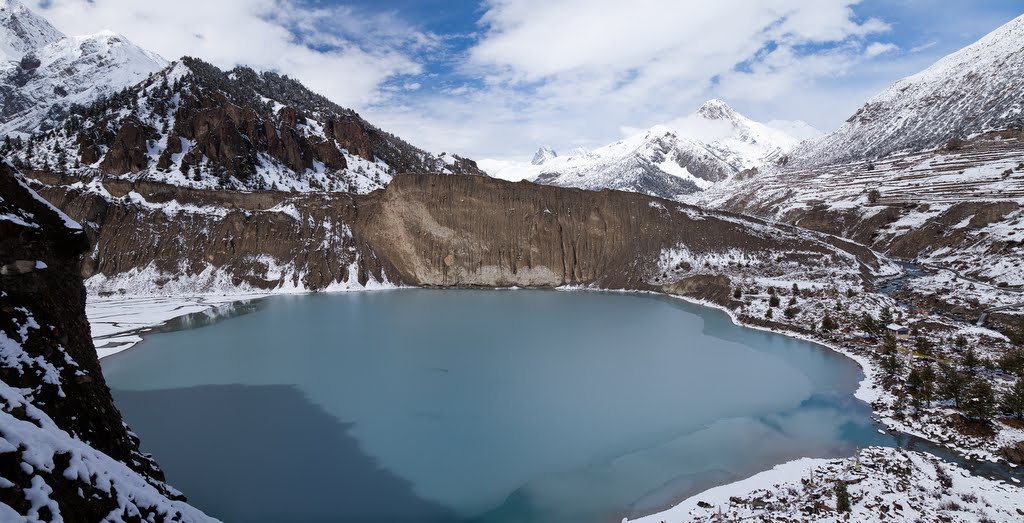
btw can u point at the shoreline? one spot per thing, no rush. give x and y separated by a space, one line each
867 389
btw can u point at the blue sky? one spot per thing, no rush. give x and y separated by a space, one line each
496 79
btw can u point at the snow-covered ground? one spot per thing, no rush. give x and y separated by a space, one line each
883 484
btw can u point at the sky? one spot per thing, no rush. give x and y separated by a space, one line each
495 79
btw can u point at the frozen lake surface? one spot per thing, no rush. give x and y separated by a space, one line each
504 406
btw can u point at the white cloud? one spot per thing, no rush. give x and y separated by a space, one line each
879 48
576 72
567 72
338 52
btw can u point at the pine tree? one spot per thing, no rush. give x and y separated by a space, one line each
970 361
892 366
827 323
960 343
868 324
980 400
923 346
738 293
921 382
951 383
773 301
886 317
1013 400
842 497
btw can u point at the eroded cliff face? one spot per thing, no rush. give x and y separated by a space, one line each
65 450
462 231
431 230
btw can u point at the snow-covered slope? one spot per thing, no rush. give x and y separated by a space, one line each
37 91
21 31
974 90
671 161
46 73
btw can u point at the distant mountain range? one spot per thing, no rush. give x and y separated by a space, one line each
710 146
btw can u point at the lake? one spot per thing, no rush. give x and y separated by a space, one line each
489 406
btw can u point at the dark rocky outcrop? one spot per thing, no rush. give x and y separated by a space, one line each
48 357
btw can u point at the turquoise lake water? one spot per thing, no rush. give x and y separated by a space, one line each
490 406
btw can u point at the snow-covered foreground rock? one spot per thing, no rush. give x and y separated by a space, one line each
52 461
882 484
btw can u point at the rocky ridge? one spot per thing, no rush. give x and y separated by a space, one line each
193 125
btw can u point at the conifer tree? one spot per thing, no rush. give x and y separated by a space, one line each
1013 400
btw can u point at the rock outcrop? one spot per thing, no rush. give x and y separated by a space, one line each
66 453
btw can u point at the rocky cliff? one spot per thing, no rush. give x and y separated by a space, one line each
434 231
66 453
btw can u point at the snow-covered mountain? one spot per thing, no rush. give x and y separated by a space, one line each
971 91
53 72
21 31
542 155
671 161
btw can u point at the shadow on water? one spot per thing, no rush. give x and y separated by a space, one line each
322 475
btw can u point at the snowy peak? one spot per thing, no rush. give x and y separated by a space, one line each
22 31
717 109
542 155
969 92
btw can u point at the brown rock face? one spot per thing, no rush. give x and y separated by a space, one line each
433 231
127 152
351 135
